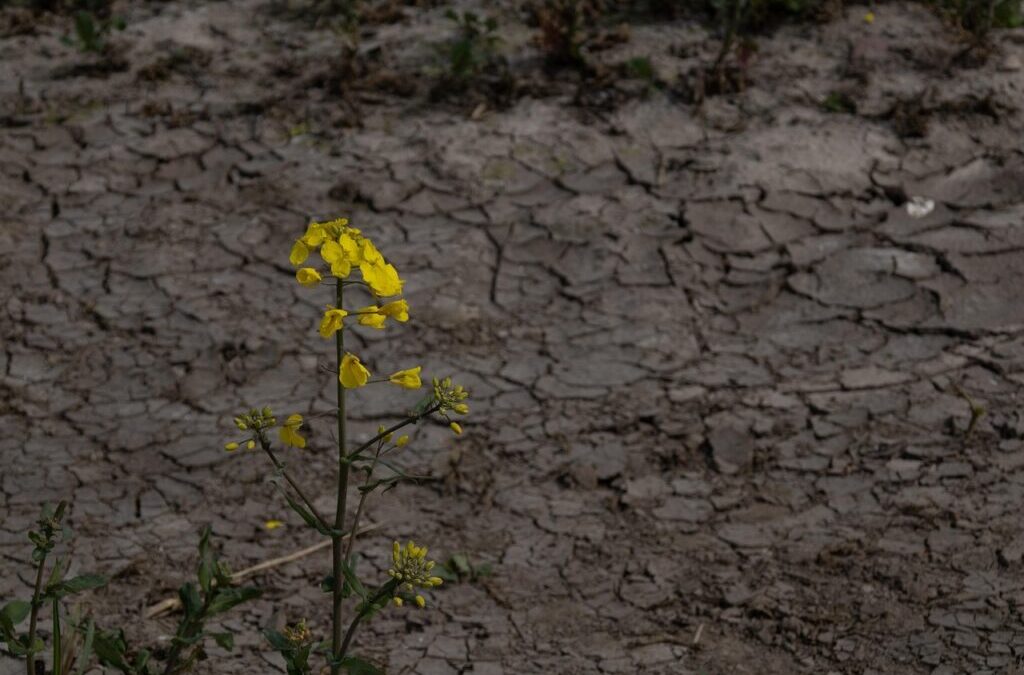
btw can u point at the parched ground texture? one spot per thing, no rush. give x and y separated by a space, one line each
716 365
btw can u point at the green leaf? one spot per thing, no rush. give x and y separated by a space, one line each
352 580
356 666
424 404
191 603
306 515
460 564
110 649
142 662
207 561
20 647
85 582
15 611
226 598
224 640
277 640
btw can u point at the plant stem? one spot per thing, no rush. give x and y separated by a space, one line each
362 501
57 670
265 444
34 615
342 496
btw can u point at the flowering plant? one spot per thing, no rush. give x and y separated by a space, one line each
343 251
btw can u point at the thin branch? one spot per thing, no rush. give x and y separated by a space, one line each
409 420
265 444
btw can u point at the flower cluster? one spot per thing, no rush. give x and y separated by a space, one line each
450 397
343 249
259 421
298 634
411 568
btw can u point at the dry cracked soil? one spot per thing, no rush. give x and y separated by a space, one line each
720 373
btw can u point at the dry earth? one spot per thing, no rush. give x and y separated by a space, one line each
712 356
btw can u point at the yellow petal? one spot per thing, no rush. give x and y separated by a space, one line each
331 252
308 277
314 235
332 322
352 373
371 316
298 254
397 310
407 379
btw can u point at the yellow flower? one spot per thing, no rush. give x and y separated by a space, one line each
341 268
407 379
251 445
869 17
382 278
352 373
273 524
314 235
332 321
457 428
289 433
299 634
411 569
350 246
397 310
308 277
398 601
231 447
371 316
402 441
331 252
298 254
371 254
461 408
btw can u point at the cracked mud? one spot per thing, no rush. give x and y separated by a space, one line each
714 360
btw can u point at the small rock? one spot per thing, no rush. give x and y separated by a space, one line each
732 450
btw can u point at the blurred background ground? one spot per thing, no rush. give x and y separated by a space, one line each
720 371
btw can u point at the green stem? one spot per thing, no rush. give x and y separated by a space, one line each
362 502
34 615
57 665
342 496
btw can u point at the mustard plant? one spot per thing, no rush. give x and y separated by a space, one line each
77 641
349 262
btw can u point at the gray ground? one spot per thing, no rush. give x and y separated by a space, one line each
712 356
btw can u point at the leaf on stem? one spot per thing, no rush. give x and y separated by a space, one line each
357 666
352 581
13 613
226 598
85 582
